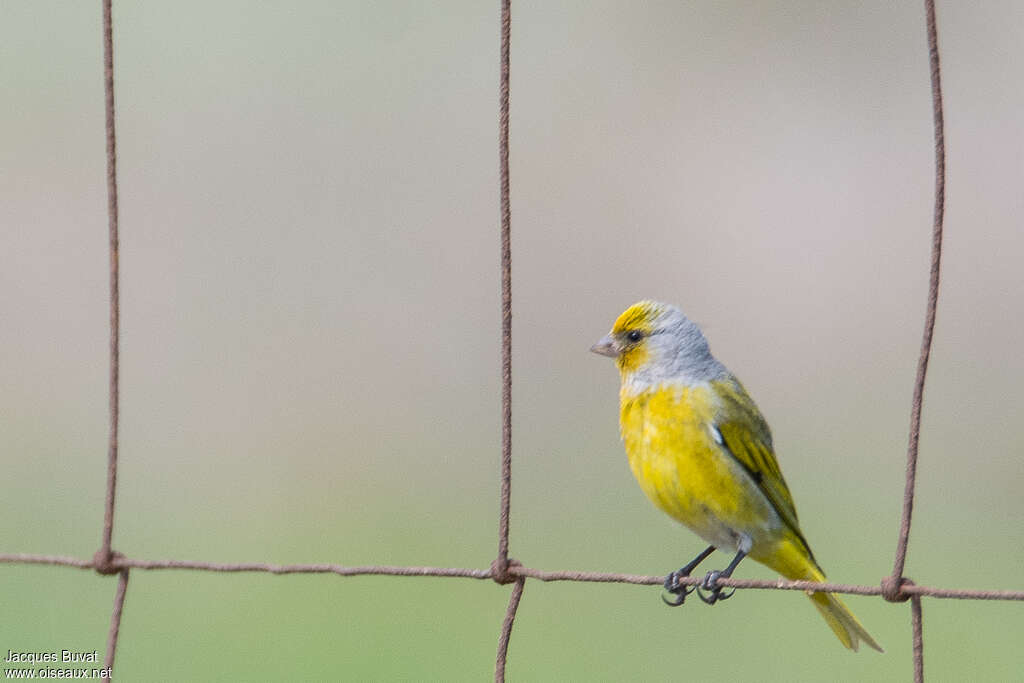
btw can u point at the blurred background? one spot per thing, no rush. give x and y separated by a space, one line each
310 312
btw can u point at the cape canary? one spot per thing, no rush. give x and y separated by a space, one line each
702 453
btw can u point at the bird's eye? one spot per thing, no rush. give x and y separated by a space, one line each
635 335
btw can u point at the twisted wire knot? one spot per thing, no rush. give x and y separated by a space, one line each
106 562
892 588
501 570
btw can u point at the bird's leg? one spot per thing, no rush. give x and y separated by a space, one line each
672 580
710 582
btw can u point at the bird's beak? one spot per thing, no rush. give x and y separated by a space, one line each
606 347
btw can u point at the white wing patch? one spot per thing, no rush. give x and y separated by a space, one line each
716 435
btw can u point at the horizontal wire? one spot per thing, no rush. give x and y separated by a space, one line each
57 560
515 570
340 570
263 567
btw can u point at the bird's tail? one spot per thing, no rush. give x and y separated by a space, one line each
841 620
799 565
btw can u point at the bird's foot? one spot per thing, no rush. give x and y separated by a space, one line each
673 587
714 591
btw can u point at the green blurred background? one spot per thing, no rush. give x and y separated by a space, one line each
310 347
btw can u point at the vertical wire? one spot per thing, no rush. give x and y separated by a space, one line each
916 623
506 629
115 621
933 292
104 554
506 295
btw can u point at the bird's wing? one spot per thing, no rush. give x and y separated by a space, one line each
747 438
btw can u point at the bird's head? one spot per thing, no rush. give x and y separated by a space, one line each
653 343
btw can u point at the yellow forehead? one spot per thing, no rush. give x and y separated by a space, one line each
639 316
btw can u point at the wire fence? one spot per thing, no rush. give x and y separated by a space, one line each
504 570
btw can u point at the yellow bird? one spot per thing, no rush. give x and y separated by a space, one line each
703 453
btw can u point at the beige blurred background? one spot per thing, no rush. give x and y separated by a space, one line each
310 352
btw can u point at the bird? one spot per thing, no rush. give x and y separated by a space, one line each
702 452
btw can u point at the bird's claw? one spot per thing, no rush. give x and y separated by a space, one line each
714 591
680 592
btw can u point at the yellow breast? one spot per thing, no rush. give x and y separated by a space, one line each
670 440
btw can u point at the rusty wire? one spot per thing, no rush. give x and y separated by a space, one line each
501 562
938 128
895 587
115 621
907 589
506 629
103 555
916 626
